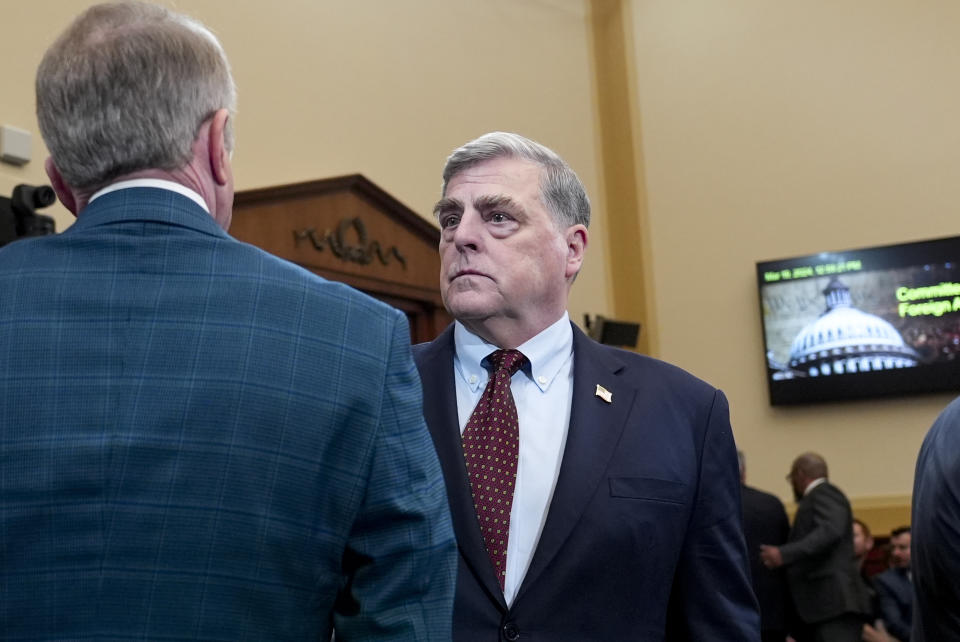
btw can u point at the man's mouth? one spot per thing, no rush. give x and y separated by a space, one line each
459 273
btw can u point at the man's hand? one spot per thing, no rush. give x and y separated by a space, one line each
770 555
871 634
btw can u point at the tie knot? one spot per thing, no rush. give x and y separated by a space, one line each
509 360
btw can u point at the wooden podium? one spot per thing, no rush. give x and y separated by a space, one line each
347 229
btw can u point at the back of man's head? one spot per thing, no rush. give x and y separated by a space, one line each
811 466
126 88
560 188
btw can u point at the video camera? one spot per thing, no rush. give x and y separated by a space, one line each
18 214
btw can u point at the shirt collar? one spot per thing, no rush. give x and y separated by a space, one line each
159 183
546 352
816 482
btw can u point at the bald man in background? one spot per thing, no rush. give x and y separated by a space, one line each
821 570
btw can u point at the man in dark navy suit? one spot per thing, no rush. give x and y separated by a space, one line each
935 522
895 587
198 440
765 522
617 501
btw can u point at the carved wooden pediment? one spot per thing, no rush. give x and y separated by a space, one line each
348 229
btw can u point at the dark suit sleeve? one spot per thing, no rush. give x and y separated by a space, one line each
712 597
401 555
784 524
829 517
889 608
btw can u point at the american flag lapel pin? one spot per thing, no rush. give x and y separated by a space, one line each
604 394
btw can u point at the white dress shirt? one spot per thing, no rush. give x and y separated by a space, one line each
159 183
542 391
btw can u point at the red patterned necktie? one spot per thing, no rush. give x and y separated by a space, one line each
491 441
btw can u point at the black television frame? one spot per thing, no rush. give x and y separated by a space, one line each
940 257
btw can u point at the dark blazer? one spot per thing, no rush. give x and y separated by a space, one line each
821 571
895 601
765 522
643 538
935 522
199 440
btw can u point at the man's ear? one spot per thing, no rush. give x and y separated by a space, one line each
63 191
576 237
217 146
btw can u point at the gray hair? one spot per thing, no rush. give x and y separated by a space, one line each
127 87
560 189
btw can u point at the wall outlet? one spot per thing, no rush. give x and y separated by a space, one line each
14 145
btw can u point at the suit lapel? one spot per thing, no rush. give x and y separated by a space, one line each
440 411
595 429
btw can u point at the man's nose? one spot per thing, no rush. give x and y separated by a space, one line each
468 233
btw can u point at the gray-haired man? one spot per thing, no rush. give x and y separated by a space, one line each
197 439
594 492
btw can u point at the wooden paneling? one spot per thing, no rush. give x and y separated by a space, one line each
348 229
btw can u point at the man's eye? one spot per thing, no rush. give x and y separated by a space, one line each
449 221
499 217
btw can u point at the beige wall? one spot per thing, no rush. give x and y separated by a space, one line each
776 129
386 88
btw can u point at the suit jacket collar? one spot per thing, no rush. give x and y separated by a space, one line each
816 491
902 573
595 428
145 204
160 183
813 485
440 412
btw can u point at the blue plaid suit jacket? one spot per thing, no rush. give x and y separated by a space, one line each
200 440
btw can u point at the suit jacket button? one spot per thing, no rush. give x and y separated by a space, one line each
511 632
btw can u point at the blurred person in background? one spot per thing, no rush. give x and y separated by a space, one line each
895 587
821 570
935 524
765 522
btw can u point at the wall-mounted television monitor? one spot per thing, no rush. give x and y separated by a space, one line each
872 322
